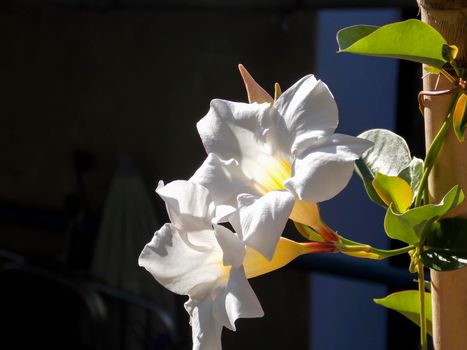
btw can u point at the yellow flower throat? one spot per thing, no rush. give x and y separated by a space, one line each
270 174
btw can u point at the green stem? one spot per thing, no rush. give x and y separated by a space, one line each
448 76
421 291
393 252
433 153
422 193
431 158
454 66
349 245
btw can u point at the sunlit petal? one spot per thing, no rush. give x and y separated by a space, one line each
244 132
189 205
262 219
306 106
323 171
205 328
223 178
179 267
237 300
233 248
223 213
236 130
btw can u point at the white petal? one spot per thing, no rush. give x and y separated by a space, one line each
181 267
233 247
239 131
241 300
307 106
234 220
263 219
206 330
323 170
223 178
306 140
238 300
223 213
189 205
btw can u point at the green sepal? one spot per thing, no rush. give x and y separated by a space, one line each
411 40
411 226
408 304
446 245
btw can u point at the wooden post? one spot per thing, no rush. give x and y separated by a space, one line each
449 289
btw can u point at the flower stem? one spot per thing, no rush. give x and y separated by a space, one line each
352 246
393 252
454 66
430 160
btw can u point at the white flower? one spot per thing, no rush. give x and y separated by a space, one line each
272 160
209 263
190 257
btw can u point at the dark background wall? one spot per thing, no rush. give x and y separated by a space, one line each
128 82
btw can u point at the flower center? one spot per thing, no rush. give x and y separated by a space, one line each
270 174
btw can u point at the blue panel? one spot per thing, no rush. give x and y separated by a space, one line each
343 314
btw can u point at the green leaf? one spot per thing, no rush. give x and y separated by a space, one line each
450 233
408 304
444 260
413 175
446 244
389 156
393 189
410 40
348 36
367 177
411 226
459 117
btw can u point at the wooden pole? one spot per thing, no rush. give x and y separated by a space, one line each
449 289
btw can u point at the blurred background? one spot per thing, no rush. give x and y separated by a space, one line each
99 102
